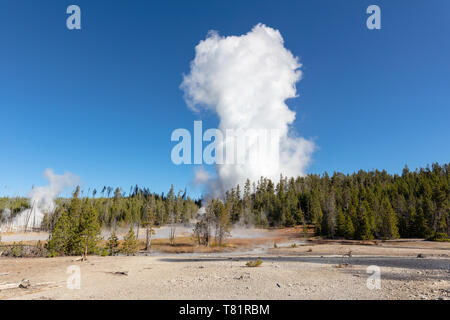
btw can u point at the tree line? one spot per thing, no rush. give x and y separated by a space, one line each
10 207
363 205
75 225
117 209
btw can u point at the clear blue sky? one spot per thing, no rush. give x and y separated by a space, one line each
102 102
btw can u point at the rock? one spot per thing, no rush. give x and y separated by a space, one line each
420 255
243 276
25 284
278 285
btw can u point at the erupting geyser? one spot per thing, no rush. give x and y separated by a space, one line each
246 80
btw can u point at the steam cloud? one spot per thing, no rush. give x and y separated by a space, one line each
246 80
201 176
43 198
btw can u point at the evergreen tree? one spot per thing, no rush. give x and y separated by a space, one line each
349 230
341 223
364 229
148 223
130 244
388 228
89 230
316 214
222 221
173 214
59 238
113 243
74 217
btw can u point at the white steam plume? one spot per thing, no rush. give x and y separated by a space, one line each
42 199
246 80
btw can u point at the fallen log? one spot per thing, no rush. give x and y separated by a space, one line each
9 286
26 284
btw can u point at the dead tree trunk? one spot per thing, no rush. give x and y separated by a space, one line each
84 257
173 227
137 231
148 243
172 234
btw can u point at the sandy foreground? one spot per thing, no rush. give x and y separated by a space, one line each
307 272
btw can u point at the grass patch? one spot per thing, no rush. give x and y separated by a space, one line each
254 263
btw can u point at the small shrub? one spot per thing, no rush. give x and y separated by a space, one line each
294 245
103 252
254 263
17 251
20 250
52 254
275 245
439 236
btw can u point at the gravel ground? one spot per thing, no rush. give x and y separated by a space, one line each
288 273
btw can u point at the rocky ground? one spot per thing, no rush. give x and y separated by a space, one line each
312 271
